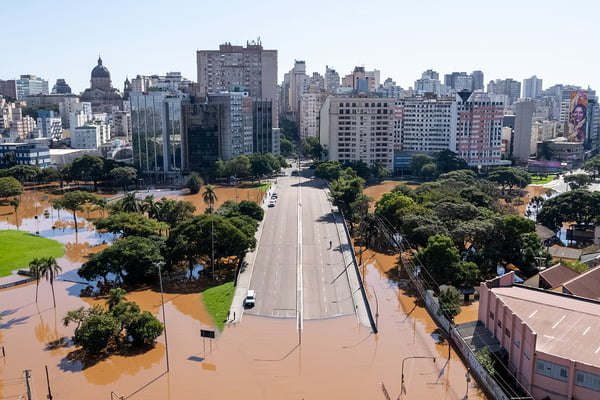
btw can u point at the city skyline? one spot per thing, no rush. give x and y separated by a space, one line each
500 40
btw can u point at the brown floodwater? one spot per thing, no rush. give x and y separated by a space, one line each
259 358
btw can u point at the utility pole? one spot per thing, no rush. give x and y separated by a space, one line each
49 396
27 373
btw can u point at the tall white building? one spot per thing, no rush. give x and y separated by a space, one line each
251 68
90 136
50 126
532 88
358 129
236 125
427 124
298 85
310 111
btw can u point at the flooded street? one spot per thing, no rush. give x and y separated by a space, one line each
259 358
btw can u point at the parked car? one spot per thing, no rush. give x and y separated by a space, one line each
250 299
274 195
272 203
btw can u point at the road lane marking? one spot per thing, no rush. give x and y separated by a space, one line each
299 293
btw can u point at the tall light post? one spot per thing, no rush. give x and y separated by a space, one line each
468 378
162 304
376 303
402 387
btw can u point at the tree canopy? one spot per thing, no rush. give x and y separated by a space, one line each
579 206
10 186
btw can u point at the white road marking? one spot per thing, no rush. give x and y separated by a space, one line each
558 322
587 330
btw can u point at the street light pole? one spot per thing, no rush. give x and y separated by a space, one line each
376 304
402 387
468 378
162 304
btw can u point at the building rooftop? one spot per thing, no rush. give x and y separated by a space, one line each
564 252
566 326
558 274
585 285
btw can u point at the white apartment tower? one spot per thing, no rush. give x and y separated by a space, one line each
358 129
332 79
310 109
427 124
299 82
251 68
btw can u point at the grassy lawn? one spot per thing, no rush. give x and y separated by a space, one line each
263 186
19 248
541 179
217 301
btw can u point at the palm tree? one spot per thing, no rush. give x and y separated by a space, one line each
209 196
130 203
115 296
49 270
15 202
151 207
35 267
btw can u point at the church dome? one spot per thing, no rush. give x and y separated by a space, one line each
100 71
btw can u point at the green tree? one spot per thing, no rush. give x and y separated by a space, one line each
74 201
379 172
393 206
10 186
440 257
509 178
239 167
129 203
115 296
484 356
130 224
24 173
286 147
592 166
428 171
194 183
123 176
346 190
463 175
418 162
219 169
251 209
447 160
580 206
260 166
88 168
328 170
360 167
210 197
145 329
173 212
449 302
96 332
50 269
311 147
578 181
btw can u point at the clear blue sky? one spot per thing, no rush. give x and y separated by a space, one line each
556 40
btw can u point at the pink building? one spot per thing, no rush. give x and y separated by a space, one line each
479 128
552 339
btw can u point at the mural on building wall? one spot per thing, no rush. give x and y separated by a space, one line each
577 116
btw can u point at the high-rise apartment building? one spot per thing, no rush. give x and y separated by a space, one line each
506 87
477 79
332 79
251 68
363 81
310 111
50 126
429 83
479 128
202 128
61 87
358 129
521 143
236 123
427 123
298 84
8 89
29 85
532 88
265 139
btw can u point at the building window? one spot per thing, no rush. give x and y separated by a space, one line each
587 380
554 371
491 315
506 332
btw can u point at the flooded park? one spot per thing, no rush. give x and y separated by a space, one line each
257 358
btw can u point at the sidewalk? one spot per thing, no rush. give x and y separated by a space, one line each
243 281
351 268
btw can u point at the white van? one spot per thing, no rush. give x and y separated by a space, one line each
250 299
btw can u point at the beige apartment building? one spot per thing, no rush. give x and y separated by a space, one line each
249 69
310 113
358 129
